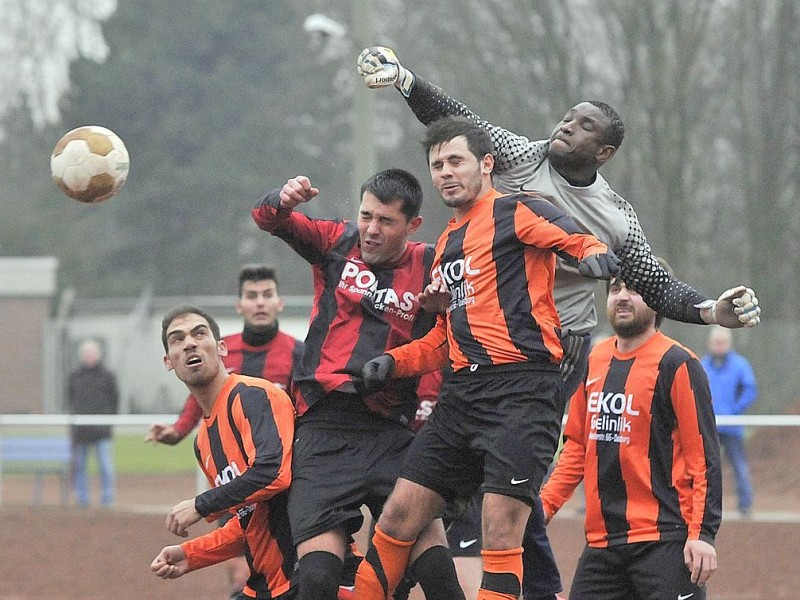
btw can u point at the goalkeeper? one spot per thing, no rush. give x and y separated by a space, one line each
564 168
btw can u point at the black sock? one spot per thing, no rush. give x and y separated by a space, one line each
319 575
436 573
403 589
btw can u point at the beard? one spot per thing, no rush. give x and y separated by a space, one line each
633 327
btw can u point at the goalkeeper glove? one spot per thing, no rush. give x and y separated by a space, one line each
380 67
376 372
736 307
599 266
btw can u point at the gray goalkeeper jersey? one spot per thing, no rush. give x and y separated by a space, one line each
523 165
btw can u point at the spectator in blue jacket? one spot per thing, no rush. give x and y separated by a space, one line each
733 389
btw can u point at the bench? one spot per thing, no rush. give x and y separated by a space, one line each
40 456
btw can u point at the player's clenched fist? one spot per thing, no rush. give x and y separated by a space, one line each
599 266
736 307
297 190
380 67
170 563
376 372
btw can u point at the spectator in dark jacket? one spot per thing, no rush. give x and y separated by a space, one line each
92 391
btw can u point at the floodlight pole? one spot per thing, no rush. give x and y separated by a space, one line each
363 117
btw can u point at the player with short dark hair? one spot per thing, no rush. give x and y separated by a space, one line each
244 447
261 349
350 444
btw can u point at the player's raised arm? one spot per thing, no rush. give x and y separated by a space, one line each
380 67
673 298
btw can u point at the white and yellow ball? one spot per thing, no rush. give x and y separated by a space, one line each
90 164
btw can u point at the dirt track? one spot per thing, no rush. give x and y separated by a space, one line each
65 553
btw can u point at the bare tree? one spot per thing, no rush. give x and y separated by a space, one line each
41 38
658 48
764 70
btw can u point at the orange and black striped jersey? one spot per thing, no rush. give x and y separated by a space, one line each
498 262
641 435
244 447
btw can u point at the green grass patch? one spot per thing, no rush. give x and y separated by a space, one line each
134 456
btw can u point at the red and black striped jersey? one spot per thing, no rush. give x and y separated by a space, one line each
498 262
244 447
641 435
274 361
359 311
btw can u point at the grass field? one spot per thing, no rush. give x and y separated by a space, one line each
132 456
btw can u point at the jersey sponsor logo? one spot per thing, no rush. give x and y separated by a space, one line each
610 420
455 275
593 380
467 543
611 403
227 474
515 481
685 596
363 282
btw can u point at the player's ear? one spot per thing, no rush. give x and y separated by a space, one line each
414 224
605 153
167 363
487 163
239 307
222 348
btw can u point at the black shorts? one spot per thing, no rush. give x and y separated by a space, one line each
639 570
336 470
464 529
494 429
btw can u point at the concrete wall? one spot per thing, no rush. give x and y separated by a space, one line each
27 289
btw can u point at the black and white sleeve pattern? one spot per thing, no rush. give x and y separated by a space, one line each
429 102
641 272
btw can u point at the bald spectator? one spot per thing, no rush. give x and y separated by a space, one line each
92 391
733 390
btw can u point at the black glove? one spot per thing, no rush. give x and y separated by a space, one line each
376 372
599 266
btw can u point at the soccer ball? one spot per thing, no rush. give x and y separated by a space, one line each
90 164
